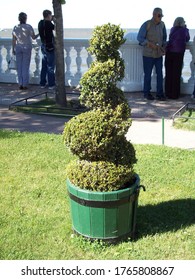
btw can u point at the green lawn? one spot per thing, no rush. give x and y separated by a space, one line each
187 123
48 106
34 208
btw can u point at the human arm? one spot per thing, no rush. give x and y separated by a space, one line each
187 35
33 36
164 36
141 36
13 44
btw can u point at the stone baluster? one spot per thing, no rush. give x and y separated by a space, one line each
89 60
37 62
78 62
189 86
192 63
8 56
1 59
68 61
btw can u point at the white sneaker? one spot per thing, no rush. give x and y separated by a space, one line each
51 88
43 86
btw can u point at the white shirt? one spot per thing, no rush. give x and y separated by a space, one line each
23 34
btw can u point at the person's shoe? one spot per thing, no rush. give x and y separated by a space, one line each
193 96
43 86
149 97
161 98
21 87
51 88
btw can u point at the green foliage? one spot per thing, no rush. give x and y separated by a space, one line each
62 2
187 123
99 175
105 42
99 84
98 137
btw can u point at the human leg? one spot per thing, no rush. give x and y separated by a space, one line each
193 94
159 85
43 67
19 60
168 75
177 69
148 63
50 68
26 65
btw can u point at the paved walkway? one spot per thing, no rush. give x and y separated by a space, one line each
146 115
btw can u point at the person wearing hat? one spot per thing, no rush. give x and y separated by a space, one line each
22 36
152 36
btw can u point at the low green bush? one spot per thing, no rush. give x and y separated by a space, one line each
99 135
99 175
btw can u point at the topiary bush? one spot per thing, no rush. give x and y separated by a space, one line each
97 137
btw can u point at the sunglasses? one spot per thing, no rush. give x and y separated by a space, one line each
160 15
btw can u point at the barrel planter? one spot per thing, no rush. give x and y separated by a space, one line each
110 216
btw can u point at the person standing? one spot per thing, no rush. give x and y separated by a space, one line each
179 35
152 36
193 94
22 36
46 28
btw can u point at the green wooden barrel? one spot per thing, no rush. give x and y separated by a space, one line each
104 215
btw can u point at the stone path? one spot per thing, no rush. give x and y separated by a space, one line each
146 115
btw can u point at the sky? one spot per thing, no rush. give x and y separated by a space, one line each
90 13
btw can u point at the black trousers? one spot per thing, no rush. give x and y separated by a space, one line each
173 70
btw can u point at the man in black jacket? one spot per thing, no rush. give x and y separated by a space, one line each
46 28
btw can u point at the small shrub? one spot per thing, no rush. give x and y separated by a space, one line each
106 41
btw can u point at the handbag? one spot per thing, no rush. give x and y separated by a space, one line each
12 63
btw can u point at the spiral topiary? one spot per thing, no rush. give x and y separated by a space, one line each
97 137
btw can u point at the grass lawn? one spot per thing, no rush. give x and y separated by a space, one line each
48 106
187 124
34 208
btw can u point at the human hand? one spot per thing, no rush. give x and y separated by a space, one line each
152 45
53 19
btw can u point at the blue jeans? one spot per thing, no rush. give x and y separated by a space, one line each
149 63
23 57
48 66
194 91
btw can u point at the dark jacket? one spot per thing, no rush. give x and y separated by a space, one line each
46 28
177 39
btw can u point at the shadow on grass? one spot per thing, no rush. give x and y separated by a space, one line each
166 216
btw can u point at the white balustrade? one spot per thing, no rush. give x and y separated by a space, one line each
78 60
